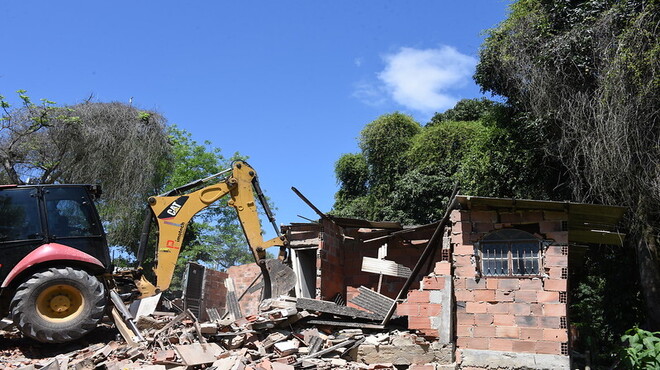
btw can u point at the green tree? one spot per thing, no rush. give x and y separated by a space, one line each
434 160
368 179
587 73
382 142
352 173
466 110
604 285
408 174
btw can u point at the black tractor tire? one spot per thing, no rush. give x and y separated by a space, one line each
58 305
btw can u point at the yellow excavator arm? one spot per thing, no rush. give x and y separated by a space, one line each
174 211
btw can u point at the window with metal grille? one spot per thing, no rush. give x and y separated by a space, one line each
510 252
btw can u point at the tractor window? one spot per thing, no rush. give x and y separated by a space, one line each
19 215
69 213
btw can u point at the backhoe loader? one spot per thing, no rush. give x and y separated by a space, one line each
55 268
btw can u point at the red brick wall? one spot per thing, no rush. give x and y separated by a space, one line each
354 277
331 263
422 312
341 264
340 260
509 314
215 293
243 276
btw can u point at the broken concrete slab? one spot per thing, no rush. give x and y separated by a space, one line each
208 328
227 363
198 353
125 331
286 348
345 324
275 337
373 301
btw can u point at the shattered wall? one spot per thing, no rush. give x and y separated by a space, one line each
247 283
340 256
429 308
215 293
341 253
454 303
510 319
204 288
404 254
331 255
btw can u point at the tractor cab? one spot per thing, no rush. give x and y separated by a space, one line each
53 253
35 215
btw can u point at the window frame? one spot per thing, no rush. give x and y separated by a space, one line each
31 219
55 194
519 237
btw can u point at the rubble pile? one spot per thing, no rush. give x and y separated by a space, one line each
282 336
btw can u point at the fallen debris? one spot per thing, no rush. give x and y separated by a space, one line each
288 333
198 353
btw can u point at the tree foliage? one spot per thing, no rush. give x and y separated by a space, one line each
117 145
605 283
382 142
352 172
368 178
132 154
407 174
588 73
466 110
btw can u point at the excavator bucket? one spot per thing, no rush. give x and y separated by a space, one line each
279 279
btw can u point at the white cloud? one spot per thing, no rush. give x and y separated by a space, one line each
422 79
370 94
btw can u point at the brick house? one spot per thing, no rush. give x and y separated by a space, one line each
493 291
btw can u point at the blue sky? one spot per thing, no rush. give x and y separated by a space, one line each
288 83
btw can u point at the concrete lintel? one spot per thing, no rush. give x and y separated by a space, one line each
512 360
405 354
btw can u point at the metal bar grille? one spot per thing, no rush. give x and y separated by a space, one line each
511 258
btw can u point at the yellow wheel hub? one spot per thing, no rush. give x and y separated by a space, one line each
60 303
